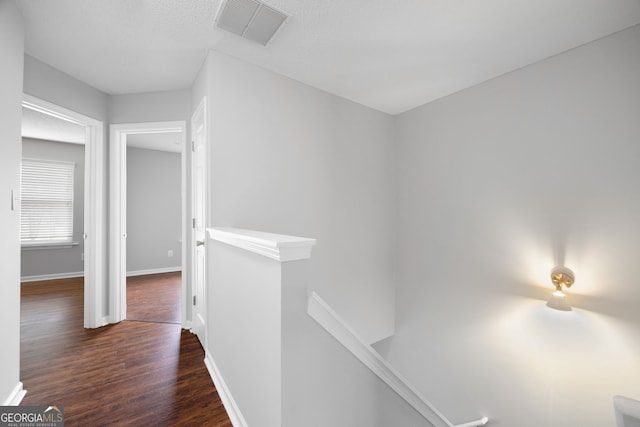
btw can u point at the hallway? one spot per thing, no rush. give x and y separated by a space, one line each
147 372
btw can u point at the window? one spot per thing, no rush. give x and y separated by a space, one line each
47 202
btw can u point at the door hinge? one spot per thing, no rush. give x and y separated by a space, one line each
194 300
193 223
193 146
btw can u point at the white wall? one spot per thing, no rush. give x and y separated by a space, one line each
58 261
290 159
50 84
11 58
496 184
150 107
243 334
154 210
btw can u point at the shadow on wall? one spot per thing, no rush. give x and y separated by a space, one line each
601 286
587 353
626 310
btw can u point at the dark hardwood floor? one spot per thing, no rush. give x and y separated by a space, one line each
154 298
134 373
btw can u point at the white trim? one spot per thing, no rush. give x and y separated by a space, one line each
118 218
94 223
185 220
16 396
118 224
477 423
625 407
280 247
154 271
198 320
43 246
230 405
55 276
322 313
95 243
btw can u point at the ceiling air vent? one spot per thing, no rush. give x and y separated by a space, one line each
250 19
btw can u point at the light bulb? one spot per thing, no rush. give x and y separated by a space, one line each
562 278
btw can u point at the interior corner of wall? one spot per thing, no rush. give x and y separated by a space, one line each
385 331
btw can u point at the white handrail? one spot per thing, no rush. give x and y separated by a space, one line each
625 407
322 313
279 247
482 421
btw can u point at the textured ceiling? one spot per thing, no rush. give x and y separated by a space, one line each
389 55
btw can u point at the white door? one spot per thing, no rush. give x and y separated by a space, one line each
198 186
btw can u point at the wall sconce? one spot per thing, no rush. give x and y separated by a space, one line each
562 279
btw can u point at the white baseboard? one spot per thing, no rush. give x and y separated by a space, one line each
237 420
51 276
16 396
154 271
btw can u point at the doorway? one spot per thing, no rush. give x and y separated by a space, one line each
93 233
122 135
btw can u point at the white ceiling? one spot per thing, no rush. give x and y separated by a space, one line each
159 141
389 55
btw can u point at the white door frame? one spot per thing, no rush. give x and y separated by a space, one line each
118 211
199 113
94 224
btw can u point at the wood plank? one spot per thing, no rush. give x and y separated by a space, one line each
129 374
154 297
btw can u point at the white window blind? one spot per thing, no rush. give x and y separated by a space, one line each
46 189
